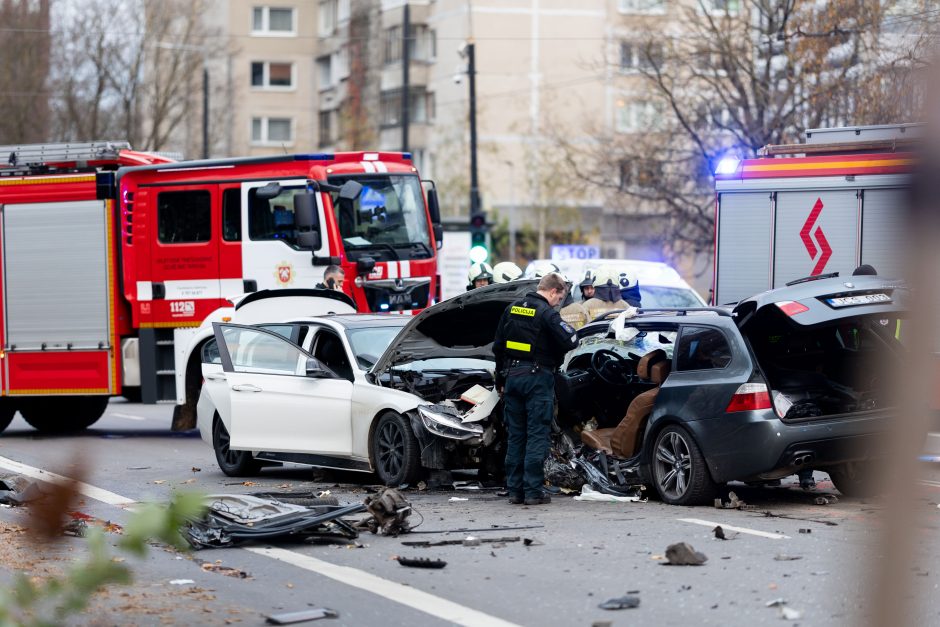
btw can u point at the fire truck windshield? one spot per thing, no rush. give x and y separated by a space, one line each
388 219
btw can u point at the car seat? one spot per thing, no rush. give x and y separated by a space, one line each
621 440
330 351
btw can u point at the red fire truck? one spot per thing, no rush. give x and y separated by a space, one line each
108 263
828 205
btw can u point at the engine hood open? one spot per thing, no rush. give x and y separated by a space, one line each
462 326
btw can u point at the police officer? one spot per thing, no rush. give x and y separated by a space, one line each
530 343
480 275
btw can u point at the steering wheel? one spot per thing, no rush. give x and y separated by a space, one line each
612 367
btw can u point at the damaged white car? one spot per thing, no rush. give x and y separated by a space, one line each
373 393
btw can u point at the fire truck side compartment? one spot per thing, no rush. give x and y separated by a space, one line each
744 242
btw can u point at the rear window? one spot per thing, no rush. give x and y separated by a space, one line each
702 348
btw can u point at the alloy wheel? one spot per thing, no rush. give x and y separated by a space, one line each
230 456
673 465
391 448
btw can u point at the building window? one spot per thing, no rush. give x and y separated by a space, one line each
232 215
325 72
272 130
266 75
637 56
326 128
329 17
637 174
634 116
273 21
702 348
421 107
422 44
651 7
184 217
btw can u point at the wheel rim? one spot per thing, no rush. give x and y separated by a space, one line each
391 449
225 452
673 465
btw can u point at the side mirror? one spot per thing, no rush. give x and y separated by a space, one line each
365 265
307 220
433 207
269 191
348 193
438 234
314 370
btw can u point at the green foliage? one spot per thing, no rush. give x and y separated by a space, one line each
50 602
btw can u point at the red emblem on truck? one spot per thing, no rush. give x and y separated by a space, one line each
824 250
284 273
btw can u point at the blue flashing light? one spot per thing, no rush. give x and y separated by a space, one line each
322 156
406 155
727 165
384 306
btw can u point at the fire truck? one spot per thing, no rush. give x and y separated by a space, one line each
88 318
827 205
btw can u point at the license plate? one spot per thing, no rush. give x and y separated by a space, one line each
864 299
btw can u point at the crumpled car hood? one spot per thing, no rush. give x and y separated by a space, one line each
462 326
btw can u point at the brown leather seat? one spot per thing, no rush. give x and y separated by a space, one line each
621 440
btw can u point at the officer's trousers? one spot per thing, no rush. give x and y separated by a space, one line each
529 400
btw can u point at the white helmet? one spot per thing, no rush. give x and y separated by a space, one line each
604 276
479 271
506 271
625 281
544 268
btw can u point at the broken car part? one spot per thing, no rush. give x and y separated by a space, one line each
420 562
18 490
389 513
289 618
620 603
426 544
682 554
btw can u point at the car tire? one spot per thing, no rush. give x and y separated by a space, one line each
67 414
853 479
394 450
7 411
687 482
232 463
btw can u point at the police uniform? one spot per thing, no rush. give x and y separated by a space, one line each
530 344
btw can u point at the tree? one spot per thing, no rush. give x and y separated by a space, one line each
24 48
727 82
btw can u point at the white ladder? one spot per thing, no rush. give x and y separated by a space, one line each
25 155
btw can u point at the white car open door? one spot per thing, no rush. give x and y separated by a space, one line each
281 399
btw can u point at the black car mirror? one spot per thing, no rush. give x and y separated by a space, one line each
269 191
314 370
307 220
365 265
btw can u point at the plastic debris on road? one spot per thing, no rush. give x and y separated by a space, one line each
181 582
456 499
16 490
420 562
303 616
620 603
590 494
682 554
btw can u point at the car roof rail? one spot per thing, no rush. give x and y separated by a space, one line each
817 277
678 311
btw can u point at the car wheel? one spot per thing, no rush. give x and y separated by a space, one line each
394 450
679 471
232 463
7 411
63 414
853 479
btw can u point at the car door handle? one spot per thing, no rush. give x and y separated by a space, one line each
215 377
246 387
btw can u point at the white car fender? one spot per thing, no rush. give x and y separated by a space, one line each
370 401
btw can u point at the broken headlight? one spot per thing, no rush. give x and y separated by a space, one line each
445 422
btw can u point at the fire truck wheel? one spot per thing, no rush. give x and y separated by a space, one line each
7 411
63 414
232 463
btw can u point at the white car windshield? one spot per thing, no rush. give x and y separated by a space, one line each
665 297
369 343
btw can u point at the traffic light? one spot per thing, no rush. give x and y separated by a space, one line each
478 248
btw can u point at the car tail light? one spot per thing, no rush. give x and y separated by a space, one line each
791 307
750 397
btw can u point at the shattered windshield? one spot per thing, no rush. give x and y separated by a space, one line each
387 219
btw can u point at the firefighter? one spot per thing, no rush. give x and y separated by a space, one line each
574 313
544 268
606 294
506 271
333 279
530 344
587 286
480 275
629 290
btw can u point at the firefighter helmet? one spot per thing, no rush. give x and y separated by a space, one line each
625 281
603 277
544 268
506 271
480 271
588 279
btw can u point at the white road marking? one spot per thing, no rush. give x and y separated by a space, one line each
406 595
391 590
127 416
932 484
753 532
99 494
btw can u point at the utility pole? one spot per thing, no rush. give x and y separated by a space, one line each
474 181
205 110
405 79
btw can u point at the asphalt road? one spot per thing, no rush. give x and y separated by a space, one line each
584 553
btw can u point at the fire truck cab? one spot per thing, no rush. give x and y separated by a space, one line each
828 205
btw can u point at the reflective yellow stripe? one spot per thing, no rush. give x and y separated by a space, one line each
522 311
897 330
518 346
